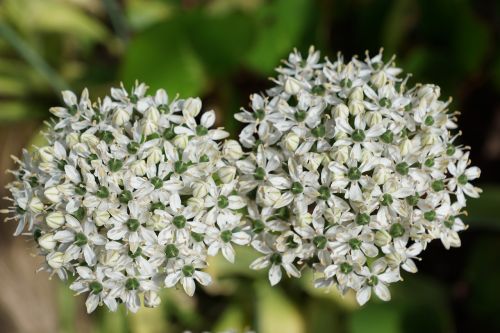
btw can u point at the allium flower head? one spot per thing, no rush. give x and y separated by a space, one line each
130 195
351 172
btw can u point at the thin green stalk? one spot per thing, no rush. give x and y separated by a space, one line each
32 57
117 19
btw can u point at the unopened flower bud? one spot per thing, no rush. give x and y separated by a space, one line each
55 260
155 155
139 167
46 154
72 139
101 218
227 174
268 195
379 79
356 107
292 141
181 141
232 150
192 107
121 117
340 111
356 94
36 205
55 219
47 242
151 299
382 238
53 194
292 86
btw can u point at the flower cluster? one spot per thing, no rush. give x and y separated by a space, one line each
130 195
351 173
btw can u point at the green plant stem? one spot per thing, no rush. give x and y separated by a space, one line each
32 57
117 19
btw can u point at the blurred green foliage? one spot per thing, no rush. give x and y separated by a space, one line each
223 50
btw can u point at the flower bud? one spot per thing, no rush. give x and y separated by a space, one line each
101 218
200 189
292 141
90 139
227 174
139 167
55 219
46 154
110 257
155 155
52 194
382 238
196 203
55 259
149 127
381 175
356 107
356 94
232 150
312 161
268 195
47 242
181 141
405 146
36 205
153 115
192 106
341 155
304 219
292 86
340 111
379 79
373 118
72 139
121 117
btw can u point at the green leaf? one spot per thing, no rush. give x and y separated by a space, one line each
279 27
162 57
275 312
375 318
483 212
223 39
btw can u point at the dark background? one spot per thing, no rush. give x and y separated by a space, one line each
223 50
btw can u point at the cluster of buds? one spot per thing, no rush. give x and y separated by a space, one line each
351 173
130 195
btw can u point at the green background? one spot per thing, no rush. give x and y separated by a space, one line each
223 50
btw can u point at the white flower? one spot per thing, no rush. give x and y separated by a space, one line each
126 192
346 162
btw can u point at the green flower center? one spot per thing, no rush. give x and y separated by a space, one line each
354 174
80 189
133 224
297 188
362 219
300 116
222 202
102 192
358 135
429 121
157 205
95 287
171 251
319 131
79 214
429 162
386 200
180 167
275 258
132 284
412 200
372 281
260 173
324 193
385 102
106 136
318 90
168 133
226 236
462 179
201 130
125 196
345 268
430 215
257 226
179 221
157 182
355 243
450 150
259 114
188 270
135 254
346 83
402 168
387 137
397 230
437 185
320 242
80 239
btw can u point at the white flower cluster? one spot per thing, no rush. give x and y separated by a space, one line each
130 195
351 173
